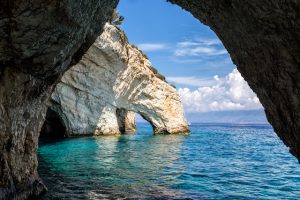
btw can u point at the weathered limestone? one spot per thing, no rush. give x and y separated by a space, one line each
263 39
126 121
113 78
38 40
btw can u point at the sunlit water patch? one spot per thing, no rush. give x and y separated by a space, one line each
214 162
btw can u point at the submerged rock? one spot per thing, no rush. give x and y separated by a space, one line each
112 81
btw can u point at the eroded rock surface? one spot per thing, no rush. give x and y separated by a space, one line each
114 79
38 40
126 121
263 39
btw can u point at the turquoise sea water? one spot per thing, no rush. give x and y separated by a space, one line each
214 162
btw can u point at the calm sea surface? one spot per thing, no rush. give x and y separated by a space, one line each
214 162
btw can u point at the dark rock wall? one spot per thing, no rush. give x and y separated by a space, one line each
53 127
38 40
263 39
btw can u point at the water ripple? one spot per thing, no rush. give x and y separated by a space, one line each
215 162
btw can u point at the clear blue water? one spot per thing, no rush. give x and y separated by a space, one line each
214 162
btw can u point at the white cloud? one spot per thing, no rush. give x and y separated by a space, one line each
200 47
191 81
229 93
152 46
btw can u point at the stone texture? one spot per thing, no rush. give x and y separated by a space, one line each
126 121
38 40
113 78
263 39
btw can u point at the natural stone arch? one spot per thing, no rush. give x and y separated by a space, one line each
127 121
115 75
156 129
262 37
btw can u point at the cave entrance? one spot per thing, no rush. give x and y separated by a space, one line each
144 124
53 127
130 121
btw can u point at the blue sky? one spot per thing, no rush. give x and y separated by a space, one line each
191 57
167 27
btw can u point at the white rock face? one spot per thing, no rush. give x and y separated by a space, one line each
112 78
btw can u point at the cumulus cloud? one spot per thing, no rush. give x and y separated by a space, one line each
200 47
229 93
152 46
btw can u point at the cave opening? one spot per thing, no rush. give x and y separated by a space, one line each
144 123
130 122
53 127
261 88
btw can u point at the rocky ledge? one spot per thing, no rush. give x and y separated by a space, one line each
114 80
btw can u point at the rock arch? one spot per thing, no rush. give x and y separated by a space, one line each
39 39
115 76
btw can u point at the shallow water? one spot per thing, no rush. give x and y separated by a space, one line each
214 162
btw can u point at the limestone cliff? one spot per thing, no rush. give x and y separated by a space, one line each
38 40
114 77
